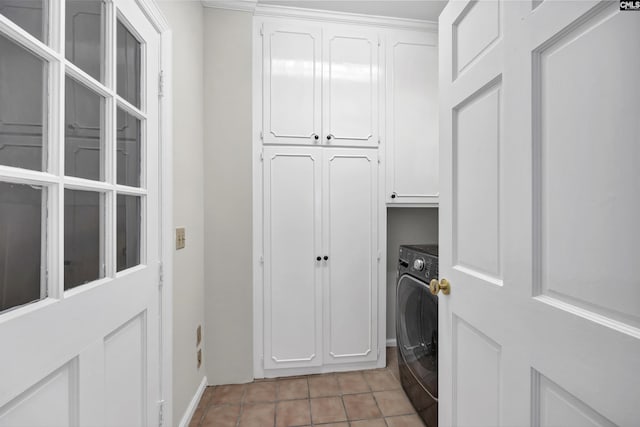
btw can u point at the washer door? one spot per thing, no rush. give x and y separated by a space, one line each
417 331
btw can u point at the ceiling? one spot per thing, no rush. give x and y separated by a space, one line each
428 10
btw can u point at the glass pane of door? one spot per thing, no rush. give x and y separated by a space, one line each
128 244
23 100
84 135
83 237
85 36
128 60
29 14
21 243
129 149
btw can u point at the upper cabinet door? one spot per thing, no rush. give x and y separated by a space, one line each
291 87
412 118
350 91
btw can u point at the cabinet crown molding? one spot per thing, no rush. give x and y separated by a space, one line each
241 5
276 11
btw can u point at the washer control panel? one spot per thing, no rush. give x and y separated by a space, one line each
419 261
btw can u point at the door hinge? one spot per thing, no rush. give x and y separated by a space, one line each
261 155
379 255
262 30
161 84
379 42
161 413
160 275
379 141
261 136
261 259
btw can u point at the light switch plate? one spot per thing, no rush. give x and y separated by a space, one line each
181 238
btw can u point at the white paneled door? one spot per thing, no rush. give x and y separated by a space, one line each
539 203
79 214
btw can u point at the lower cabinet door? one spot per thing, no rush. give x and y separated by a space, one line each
350 224
292 243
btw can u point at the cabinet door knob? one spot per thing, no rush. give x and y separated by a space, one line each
315 136
318 258
326 257
329 137
394 195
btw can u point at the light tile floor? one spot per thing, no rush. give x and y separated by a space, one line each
371 398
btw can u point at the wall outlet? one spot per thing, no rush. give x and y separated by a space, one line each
199 358
198 335
181 238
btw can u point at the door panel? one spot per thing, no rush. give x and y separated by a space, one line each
350 242
292 281
125 365
412 117
474 30
58 392
576 154
476 183
350 87
554 226
476 369
554 406
291 88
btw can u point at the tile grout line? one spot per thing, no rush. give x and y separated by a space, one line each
244 392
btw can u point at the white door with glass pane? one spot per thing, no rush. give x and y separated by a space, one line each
539 208
79 224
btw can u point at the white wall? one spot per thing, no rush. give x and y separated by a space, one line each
228 215
405 226
186 21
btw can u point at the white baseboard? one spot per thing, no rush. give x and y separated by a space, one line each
186 418
391 342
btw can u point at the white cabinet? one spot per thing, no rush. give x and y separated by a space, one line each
320 203
300 58
350 82
350 230
292 242
412 118
292 77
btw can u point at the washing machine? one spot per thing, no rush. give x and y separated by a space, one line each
417 329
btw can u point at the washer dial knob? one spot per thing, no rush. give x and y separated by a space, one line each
418 264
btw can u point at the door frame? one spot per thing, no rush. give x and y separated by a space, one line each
165 158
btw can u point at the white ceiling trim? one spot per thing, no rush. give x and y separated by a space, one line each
241 5
278 11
